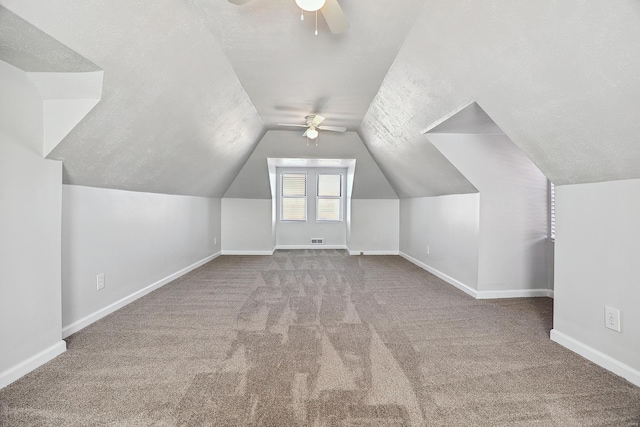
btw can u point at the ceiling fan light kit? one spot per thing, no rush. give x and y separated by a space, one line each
310 5
312 133
313 127
331 10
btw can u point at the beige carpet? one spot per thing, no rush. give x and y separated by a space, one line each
319 338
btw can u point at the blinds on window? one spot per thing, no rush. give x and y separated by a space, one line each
329 185
329 200
294 197
328 209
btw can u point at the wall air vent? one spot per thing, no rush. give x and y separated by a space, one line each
317 241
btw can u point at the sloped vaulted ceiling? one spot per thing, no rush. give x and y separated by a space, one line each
29 49
560 78
173 117
191 86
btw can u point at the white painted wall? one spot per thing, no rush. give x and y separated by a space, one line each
135 239
596 264
449 225
247 226
375 226
30 218
513 242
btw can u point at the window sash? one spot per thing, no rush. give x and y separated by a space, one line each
329 185
293 197
329 197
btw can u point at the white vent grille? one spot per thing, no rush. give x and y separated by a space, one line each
317 241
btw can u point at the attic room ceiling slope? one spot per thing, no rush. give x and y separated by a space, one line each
173 118
289 73
30 49
559 78
369 182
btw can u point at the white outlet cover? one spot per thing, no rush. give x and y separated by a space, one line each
100 281
612 318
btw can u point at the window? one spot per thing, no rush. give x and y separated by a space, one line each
329 200
293 200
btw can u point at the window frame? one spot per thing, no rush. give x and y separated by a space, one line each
340 198
282 196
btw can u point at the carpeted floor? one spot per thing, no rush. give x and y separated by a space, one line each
319 338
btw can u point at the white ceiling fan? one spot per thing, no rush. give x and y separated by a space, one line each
313 125
330 9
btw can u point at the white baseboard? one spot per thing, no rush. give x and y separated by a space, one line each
509 293
287 247
99 314
267 252
607 362
366 252
464 288
23 368
515 293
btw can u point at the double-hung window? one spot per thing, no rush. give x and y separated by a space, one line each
329 197
293 197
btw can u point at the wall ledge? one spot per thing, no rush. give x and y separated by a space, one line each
99 314
23 368
596 356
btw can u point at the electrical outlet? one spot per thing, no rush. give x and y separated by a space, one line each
612 318
100 280
215 240
428 250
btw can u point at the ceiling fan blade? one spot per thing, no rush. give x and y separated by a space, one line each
335 17
292 125
239 2
317 120
333 128
305 132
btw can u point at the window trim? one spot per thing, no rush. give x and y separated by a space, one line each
340 198
282 196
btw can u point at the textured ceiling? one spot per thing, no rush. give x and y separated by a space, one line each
559 78
471 119
191 86
368 182
288 72
30 49
173 116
